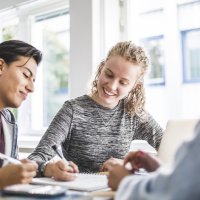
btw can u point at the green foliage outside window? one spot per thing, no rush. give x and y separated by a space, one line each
154 47
56 62
9 32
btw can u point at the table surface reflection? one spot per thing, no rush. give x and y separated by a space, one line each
70 195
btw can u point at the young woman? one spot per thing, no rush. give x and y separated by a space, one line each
18 66
96 130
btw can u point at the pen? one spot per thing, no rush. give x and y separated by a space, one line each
103 173
54 147
9 159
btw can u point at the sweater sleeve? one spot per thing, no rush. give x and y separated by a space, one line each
148 129
180 181
55 135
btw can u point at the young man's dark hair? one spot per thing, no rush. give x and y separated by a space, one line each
10 51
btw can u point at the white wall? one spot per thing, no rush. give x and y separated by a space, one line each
94 28
81 46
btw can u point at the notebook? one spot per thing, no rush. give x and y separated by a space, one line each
83 182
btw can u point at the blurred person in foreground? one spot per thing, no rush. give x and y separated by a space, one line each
179 181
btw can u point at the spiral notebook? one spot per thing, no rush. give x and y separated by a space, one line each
83 182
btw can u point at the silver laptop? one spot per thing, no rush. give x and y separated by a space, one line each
176 132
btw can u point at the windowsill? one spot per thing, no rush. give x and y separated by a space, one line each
28 141
27 144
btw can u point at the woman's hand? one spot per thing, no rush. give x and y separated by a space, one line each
17 173
110 162
61 170
140 159
116 174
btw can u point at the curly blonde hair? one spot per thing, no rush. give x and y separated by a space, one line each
135 100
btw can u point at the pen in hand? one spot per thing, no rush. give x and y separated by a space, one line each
54 147
71 166
9 159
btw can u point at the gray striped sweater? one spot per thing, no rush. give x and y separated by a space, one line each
89 133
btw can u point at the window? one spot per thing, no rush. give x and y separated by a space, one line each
45 25
9 31
155 49
51 32
191 58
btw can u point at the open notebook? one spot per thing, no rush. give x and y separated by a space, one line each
83 182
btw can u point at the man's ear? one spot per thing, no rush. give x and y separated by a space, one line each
1 65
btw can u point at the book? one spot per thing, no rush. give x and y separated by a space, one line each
83 182
142 145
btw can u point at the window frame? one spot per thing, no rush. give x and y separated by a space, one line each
151 82
183 49
41 85
25 13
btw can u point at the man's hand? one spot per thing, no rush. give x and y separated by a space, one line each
140 159
17 173
116 174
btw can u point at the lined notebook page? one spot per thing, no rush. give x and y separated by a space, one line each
83 182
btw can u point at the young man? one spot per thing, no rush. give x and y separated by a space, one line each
18 67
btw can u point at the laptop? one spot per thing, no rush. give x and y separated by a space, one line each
176 132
